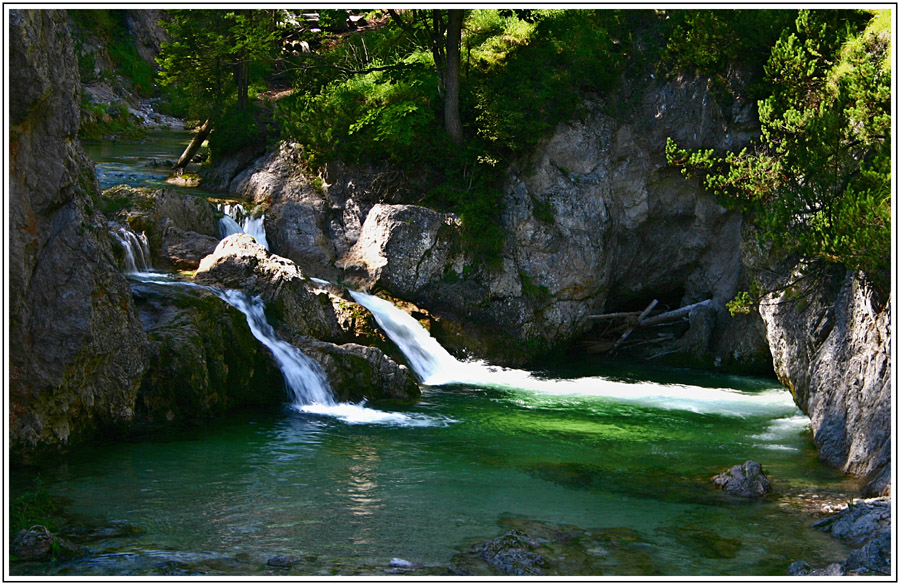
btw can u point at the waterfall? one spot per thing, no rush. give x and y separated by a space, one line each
239 220
304 377
435 366
228 226
137 250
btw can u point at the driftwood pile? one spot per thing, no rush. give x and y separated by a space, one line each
617 327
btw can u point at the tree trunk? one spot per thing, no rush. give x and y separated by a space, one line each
192 148
452 122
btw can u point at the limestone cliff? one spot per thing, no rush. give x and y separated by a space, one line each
77 350
831 345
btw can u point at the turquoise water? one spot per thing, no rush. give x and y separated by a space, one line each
621 449
345 498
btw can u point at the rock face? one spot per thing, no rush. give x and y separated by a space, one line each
596 221
832 347
747 480
76 347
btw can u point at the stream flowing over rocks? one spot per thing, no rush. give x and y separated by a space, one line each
595 222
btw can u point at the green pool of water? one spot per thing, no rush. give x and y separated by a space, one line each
347 498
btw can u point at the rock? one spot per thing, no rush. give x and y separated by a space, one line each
180 229
747 480
39 544
240 262
185 250
203 359
76 345
357 372
512 554
804 569
403 248
35 543
831 346
859 522
282 561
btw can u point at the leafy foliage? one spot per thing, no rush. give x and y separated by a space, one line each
818 181
215 56
33 507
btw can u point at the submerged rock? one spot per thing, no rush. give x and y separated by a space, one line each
283 561
747 480
39 544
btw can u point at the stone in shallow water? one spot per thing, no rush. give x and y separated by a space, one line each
282 561
747 480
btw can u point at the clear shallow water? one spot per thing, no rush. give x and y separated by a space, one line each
346 498
618 448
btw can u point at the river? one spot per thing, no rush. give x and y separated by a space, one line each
623 451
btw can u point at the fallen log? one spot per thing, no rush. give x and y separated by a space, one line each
674 315
192 148
636 323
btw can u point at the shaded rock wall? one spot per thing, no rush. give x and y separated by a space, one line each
76 347
832 347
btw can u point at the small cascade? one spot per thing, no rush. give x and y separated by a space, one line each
238 220
137 250
227 227
304 377
435 366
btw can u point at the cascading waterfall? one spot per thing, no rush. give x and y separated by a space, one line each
137 250
435 366
238 220
305 379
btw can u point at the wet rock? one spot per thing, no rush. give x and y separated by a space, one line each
313 318
831 346
860 521
804 569
747 480
358 372
39 544
240 262
203 359
180 229
513 554
864 525
283 561
535 548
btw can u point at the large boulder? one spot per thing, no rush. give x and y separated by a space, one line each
203 358
831 346
76 346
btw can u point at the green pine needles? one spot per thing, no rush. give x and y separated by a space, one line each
817 183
